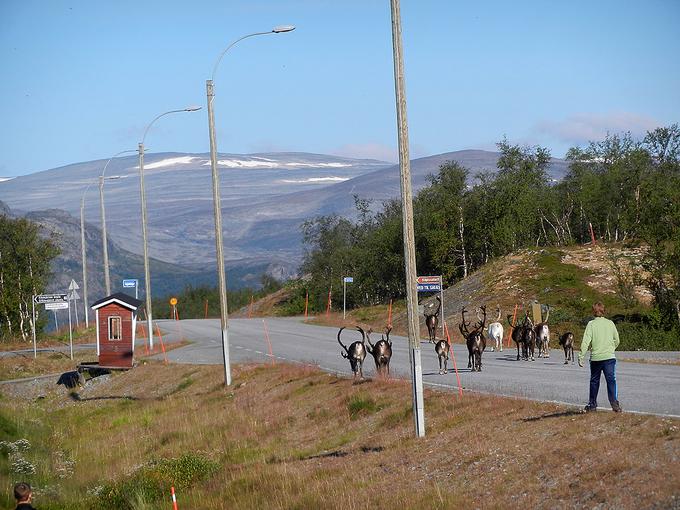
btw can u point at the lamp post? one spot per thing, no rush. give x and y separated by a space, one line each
105 244
83 251
221 277
147 276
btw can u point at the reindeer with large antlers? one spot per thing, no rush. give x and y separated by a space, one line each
381 352
543 336
432 321
356 353
476 343
495 331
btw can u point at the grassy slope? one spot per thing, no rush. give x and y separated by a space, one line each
291 437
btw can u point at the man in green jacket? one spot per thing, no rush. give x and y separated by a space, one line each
602 338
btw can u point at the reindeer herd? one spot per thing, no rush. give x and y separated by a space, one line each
526 335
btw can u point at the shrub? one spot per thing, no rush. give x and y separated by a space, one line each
152 482
641 336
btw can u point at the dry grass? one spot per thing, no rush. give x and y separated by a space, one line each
289 437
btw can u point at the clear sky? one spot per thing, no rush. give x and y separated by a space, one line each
81 79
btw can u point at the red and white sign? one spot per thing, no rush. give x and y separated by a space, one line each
429 279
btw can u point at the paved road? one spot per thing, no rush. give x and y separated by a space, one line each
646 388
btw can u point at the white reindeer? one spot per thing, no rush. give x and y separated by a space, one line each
495 331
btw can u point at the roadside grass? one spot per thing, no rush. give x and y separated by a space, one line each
288 437
21 365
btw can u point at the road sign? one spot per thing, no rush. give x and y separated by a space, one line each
173 301
128 284
429 283
50 298
56 306
348 279
73 285
73 294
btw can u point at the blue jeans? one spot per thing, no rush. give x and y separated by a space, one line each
607 366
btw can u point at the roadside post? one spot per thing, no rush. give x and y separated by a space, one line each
433 284
345 281
173 303
51 302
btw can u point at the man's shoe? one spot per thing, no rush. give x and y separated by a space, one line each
589 409
616 407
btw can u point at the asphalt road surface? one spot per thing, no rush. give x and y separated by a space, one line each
643 387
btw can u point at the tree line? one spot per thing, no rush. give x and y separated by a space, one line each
625 189
24 272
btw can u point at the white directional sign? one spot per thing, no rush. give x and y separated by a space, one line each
128 284
56 306
50 298
348 279
73 285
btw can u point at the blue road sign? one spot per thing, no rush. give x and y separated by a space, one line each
429 287
129 283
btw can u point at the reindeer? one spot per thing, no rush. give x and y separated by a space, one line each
543 336
524 336
476 343
442 349
432 321
567 343
356 353
495 331
381 352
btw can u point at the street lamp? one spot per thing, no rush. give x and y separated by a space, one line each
147 276
221 277
105 244
82 247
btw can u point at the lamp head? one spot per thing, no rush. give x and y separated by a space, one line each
192 108
283 28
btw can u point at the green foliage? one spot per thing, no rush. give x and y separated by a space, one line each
151 483
361 405
627 190
647 337
24 271
191 303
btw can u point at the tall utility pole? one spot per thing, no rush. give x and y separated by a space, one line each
407 219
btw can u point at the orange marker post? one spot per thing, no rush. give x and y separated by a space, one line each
389 315
165 356
306 304
328 305
174 498
453 356
269 344
250 308
206 308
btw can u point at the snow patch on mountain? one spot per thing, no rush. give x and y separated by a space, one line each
181 160
2 179
315 180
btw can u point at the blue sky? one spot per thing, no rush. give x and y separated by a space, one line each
82 79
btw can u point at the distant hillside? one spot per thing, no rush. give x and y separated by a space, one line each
265 198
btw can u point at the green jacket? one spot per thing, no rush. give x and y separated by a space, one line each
602 338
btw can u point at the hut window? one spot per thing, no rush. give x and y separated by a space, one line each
115 328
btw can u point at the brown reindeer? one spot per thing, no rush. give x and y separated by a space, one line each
567 343
381 352
442 349
474 339
525 337
543 336
432 321
356 353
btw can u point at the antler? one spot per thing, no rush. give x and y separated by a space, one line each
498 309
480 324
464 326
346 353
547 314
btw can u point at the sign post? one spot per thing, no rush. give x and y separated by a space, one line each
433 284
72 294
129 283
345 281
173 303
45 299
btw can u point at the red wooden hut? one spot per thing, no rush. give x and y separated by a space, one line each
116 324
